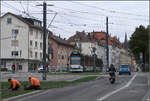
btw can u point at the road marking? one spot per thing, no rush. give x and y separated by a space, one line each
113 92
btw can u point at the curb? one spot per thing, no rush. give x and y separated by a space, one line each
147 96
22 96
33 92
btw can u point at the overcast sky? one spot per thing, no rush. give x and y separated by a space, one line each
72 16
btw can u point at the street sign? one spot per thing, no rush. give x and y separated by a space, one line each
141 57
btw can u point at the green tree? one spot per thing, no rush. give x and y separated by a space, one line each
139 43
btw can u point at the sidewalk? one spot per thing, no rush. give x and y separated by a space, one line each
147 96
24 76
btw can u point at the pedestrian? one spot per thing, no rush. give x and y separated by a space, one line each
14 84
35 84
13 68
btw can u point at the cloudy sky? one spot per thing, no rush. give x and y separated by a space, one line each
72 16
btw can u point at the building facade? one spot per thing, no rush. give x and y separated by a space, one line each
113 46
21 42
59 51
88 46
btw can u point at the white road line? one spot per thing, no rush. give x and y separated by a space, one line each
113 92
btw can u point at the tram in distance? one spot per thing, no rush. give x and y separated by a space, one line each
81 63
75 62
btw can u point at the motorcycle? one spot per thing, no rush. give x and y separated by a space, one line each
112 78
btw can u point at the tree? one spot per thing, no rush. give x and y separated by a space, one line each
139 43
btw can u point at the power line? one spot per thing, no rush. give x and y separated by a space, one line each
94 20
92 13
22 6
60 28
11 7
52 20
75 16
28 6
108 10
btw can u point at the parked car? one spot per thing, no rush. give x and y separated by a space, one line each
41 69
124 69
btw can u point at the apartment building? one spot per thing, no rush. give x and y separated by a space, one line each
59 51
21 42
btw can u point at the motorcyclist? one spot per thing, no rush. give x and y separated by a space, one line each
112 70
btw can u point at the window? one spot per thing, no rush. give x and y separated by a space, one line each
36 55
20 67
9 21
14 43
62 57
36 44
41 45
41 35
15 32
31 31
40 55
31 54
59 57
14 53
36 34
77 39
31 43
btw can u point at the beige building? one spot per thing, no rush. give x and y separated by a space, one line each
59 51
125 58
21 42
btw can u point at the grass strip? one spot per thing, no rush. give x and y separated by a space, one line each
5 93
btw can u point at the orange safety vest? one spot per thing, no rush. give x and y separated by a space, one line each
35 81
14 82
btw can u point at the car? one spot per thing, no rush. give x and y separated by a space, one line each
41 69
124 69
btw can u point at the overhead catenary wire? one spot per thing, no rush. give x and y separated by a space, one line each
11 7
72 13
53 26
108 10
52 20
99 14
16 9
22 7
64 17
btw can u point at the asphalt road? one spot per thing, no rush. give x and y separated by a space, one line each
126 88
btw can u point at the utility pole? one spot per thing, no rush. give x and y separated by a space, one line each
94 65
44 38
107 49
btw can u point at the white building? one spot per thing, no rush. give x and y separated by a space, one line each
86 45
21 42
114 55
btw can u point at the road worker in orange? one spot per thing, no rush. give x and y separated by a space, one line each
35 84
14 84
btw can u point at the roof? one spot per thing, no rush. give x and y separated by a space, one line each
81 37
102 36
25 20
98 35
60 40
